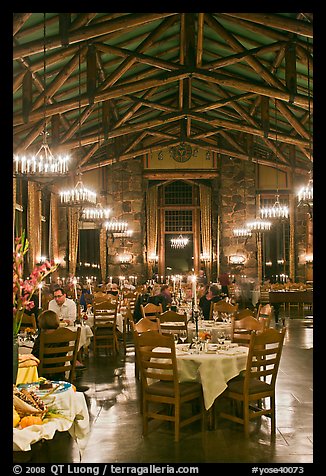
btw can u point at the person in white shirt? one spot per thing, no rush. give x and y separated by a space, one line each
64 307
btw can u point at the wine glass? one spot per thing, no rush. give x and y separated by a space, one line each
175 337
183 336
215 316
221 337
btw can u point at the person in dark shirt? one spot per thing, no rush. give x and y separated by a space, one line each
224 282
48 321
205 301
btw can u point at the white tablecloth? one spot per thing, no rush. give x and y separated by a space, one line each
212 370
73 406
213 329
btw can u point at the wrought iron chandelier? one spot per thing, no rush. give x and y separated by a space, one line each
43 163
259 225
275 211
97 213
242 232
116 226
180 242
79 196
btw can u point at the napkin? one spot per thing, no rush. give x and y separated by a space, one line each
27 360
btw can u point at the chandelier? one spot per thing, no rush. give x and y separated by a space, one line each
259 225
237 259
79 196
242 232
180 242
305 194
122 234
97 213
275 211
125 258
116 226
43 163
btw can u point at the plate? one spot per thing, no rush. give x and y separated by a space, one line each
34 386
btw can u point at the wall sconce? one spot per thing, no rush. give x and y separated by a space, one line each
237 259
268 263
309 258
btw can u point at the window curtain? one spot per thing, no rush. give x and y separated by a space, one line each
34 224
73 218
54 228
205 194
103 254
151 224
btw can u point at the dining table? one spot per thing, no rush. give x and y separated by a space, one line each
210 327
72 416
212 368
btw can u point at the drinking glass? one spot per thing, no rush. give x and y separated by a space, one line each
183 336
221 337
215 316
175 337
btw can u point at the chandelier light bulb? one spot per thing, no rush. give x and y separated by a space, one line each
116 226
242 232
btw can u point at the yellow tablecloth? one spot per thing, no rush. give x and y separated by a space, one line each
27 374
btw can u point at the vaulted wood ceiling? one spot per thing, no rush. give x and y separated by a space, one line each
118 85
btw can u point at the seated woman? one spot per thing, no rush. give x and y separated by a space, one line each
48 321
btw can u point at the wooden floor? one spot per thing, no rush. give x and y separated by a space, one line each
116 431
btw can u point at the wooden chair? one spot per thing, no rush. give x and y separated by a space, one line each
264 296
264 314
222 307
241 329
143 325
58 353
258 380
130 299
151 310
165 390
28 320
244 313
173 322
105 326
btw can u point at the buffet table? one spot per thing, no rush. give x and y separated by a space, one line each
291 297
69 403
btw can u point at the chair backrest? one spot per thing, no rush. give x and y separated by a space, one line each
58 352
264 295
264 314
154 363
265 350
241 329
105 312
223 307
244 313
145 324
28 321
150 309
172 321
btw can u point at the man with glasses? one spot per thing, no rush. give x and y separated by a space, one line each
64 307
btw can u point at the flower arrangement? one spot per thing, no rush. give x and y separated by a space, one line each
23 290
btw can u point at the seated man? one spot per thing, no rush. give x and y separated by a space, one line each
64 307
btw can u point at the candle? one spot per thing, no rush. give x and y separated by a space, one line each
173 280
75 288
40 295
194 290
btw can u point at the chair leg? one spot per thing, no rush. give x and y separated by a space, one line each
176 422
246 417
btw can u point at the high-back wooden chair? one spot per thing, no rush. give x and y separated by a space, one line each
28 320
222 307
173 322
258 381
264 314
244 312
143 325
160 384
241 329
151 310
105 326
58 353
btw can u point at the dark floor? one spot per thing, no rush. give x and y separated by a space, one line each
116 429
